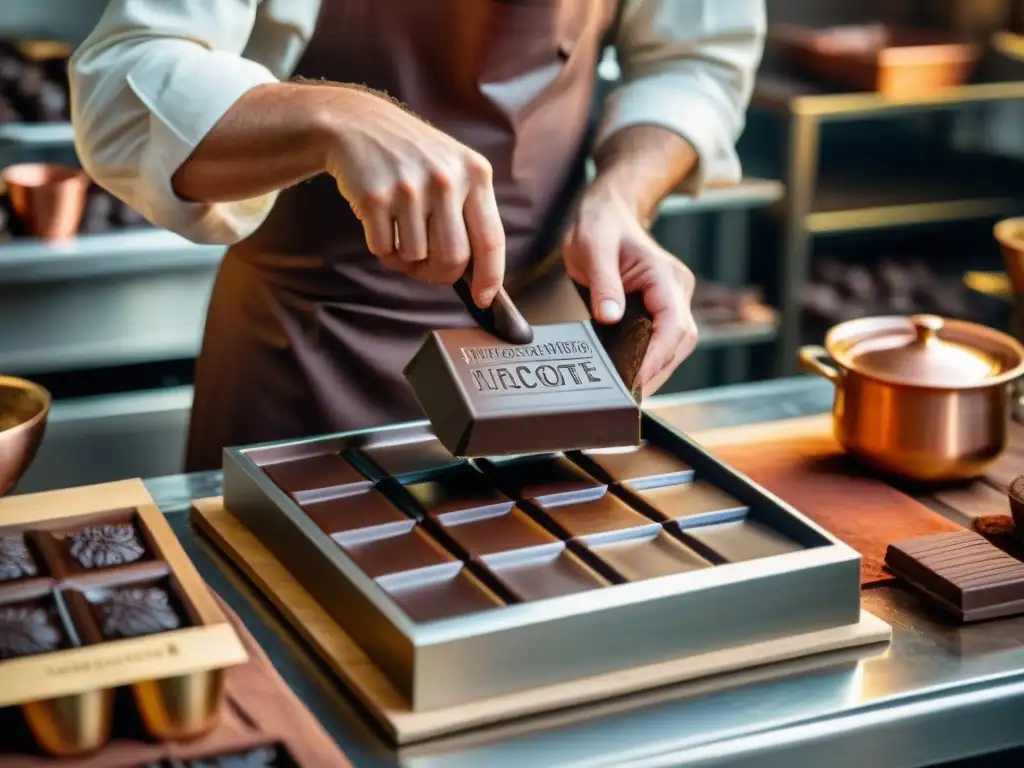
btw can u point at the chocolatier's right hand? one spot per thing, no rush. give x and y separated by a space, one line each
426 201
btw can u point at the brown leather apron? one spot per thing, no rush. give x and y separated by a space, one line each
306 333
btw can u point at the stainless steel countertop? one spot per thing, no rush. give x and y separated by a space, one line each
937 694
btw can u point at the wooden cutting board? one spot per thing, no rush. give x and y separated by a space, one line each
800 462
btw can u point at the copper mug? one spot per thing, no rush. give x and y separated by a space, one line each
923 397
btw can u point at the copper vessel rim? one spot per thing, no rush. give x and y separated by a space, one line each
1010 233
843 331
31 386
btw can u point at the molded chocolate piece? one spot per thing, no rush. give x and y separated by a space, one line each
488 533
315 478
646 554
457 490
538 574
134 611
961 572
103 546
432 599
16 562
697 502
485 397
412 551
604 515
410 460
742 540
368 514
545 480
647 466
27 629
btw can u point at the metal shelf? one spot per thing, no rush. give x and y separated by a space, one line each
128 252
736 334
33 135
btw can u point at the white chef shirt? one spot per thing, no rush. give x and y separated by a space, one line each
155 76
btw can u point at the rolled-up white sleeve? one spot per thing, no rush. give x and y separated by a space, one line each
688 66
147 86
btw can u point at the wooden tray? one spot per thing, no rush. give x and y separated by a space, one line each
404 726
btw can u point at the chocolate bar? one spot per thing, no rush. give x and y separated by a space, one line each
486 397
962 573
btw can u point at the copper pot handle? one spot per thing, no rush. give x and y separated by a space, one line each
812 359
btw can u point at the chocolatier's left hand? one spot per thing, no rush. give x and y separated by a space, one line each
609 251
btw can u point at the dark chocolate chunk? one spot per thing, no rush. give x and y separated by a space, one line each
458 490
16 561
485 397
26 630
432 599
411 458
136 611
412 551
644 467
314 478
742 540
691 502
647 554
961 572
604 515
626 341
362 515
546 480
541 574
106 545
486 534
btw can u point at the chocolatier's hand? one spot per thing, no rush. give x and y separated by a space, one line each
426 201
609 251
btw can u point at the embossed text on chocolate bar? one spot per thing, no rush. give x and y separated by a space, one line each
542 367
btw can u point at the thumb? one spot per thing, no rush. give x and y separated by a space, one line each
600 263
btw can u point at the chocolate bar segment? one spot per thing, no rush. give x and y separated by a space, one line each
698 503
648 466
488 533
485 397
409 460
406 552
604 515
646 554
455 491
545 480
314 478
542 573
364 515
441 596
961 572
741 540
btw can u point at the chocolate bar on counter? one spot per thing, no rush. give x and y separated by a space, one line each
962 573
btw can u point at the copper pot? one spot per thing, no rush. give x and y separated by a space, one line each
48 199
922 397
24 408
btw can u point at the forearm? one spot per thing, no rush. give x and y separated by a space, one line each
641 165
270 139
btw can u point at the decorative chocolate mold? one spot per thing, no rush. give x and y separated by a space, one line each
29 628
134 611
103 546
16 561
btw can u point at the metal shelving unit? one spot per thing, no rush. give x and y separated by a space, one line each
815 205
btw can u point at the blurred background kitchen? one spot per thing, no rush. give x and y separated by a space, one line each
885 140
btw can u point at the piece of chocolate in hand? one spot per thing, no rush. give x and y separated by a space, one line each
626 341
486 397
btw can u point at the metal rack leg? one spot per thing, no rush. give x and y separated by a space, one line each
801 173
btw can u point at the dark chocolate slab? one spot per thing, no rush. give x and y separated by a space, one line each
545 480
488 533
457 490
645 467
646 554
538 574
368 514
410 460
697 503
412 551
442 597
485 397
961 572
30 627
315 478
16 559
740 540
604 515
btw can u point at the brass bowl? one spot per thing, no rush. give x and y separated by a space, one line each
24 408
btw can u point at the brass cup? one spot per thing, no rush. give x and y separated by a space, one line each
183 707
1010 235
24 408
71 725
49 199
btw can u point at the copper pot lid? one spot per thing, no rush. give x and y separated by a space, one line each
926 351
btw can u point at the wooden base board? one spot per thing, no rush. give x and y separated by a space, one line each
405 726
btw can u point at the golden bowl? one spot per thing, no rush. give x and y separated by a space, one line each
24 408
